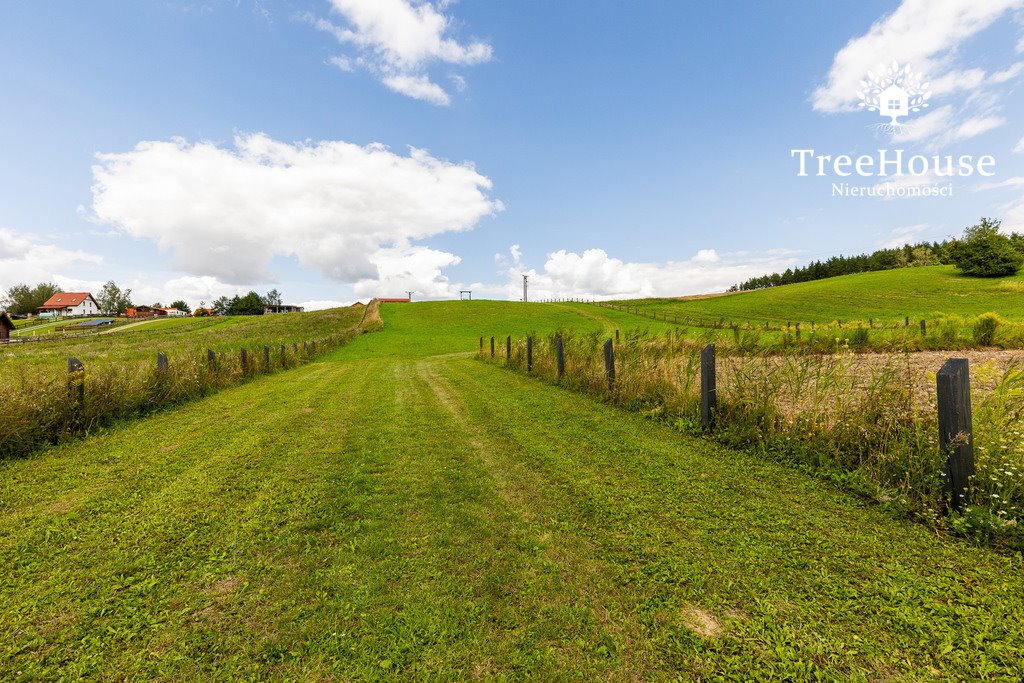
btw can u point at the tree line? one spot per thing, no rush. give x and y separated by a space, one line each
23 299
982 251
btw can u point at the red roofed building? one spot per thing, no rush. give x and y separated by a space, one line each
393 301
70 303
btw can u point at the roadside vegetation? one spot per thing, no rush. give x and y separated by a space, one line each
45 402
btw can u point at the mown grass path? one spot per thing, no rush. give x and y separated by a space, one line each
422 515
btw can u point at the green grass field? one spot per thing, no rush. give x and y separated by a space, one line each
402 511
887 296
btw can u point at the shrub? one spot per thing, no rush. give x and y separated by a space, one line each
985 252
985 328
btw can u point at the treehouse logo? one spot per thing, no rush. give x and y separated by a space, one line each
894 92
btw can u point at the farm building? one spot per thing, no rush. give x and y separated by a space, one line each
70 303
169 312
201 311
6 326
393 301
140 312
282 308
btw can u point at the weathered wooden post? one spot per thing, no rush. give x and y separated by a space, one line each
956 434
76 380
284 357
609 364
798 331
481 345
708 395
211 359
765 325
616 336
508 348
492 347
161 362
906 321
529 354
243 357
871 322
924 328
561 357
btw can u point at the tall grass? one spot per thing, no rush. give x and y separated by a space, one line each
41 402
867 422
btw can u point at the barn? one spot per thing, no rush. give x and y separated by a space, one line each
6 326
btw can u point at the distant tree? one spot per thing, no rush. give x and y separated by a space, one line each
273 298
221 305
181 306
157 304
250 304
22 299
113 300
985 252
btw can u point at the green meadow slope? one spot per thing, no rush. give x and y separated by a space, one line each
887 296
402 511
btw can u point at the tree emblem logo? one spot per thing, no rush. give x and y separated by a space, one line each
893 91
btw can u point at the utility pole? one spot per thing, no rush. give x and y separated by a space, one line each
410 296
524 289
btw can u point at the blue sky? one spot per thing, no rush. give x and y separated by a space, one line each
341 149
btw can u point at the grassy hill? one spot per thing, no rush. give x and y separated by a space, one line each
399 510
887 296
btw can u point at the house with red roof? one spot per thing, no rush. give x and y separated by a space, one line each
70 303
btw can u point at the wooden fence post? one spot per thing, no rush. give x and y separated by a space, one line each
243 357
284 357
561 357
616 336
211 359
161 362
798 331
508 348
492 347
708 395
924 328
266 358
481 345
906 321
76 379
956 435
529 354
609 364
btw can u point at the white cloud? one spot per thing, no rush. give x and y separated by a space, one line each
906 234
322 304
226 213
1019 147
943 126
418 87
25 259
399 40
410 268
596 275
928 35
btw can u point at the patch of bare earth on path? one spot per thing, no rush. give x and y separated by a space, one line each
701 621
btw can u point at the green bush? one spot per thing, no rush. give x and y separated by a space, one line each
985 328
985 252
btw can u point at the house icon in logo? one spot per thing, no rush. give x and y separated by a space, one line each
893 102
893 91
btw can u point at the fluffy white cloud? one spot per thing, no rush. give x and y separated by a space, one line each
596 275
398 40
24 258
928 35
907 234
336 206
410 268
